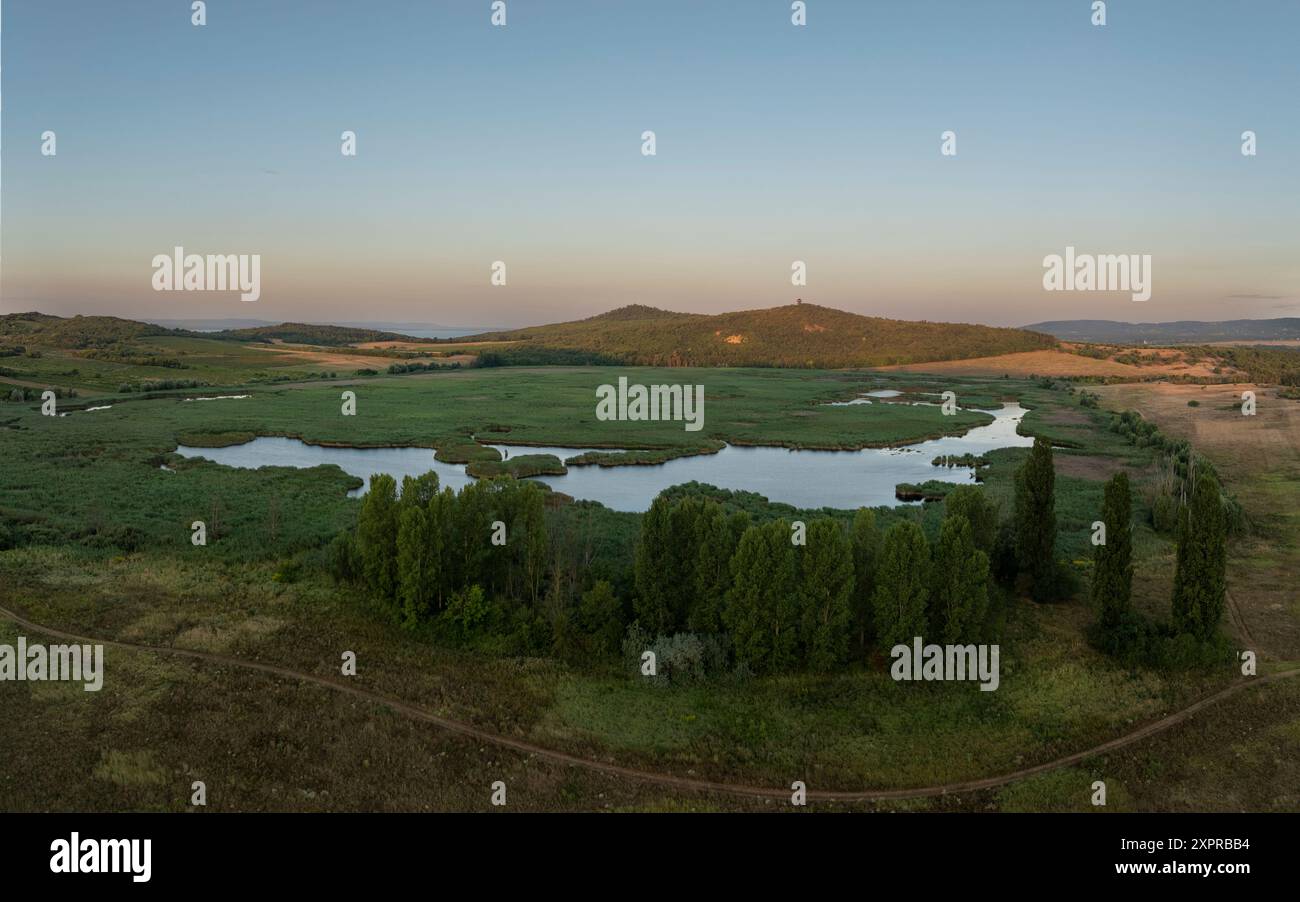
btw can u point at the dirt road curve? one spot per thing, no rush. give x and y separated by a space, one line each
674 782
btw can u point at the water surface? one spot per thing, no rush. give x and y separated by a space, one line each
807 479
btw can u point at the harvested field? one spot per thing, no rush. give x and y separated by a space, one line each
335 358
1061 363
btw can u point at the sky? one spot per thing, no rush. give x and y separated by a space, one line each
775 143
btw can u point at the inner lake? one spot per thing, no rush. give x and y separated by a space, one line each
803 478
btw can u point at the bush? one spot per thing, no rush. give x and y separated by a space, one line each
1164 513
125 538
1138 642
468 611
680 659
288 572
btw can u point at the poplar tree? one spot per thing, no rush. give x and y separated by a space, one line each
865 540
971 502
414 573
1199 575
653 605
762 608
902 590
826 576
1036 520
377 536
667 563
441 514
471 530
959 593
718 538
536 543
684 524
1112 571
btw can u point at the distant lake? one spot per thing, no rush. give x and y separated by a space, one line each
806 479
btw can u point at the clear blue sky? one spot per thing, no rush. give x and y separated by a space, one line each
775 144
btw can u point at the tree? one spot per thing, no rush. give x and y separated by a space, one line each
826 573
600 618
418 490
1036 520
718 538
959 593
377 536
415 586
971 502
653 604
1199 575
902 591
468 610
344 562
762 609
520 564
441 514
666 563
1112 572
865 540
470 530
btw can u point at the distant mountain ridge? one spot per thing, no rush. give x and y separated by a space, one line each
76 332
794 335
1179 332
225 325
310 334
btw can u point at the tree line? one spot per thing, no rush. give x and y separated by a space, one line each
793 595
427 551
773 596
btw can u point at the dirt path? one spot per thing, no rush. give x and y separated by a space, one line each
684 783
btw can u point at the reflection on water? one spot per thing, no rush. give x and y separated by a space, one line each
807 479
866 397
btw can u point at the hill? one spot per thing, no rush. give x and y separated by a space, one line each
1181 332
311 334
74 332
795 335
84 332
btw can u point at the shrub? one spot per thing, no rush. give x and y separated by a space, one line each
468 611
680 659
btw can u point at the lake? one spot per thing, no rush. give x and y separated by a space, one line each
806 479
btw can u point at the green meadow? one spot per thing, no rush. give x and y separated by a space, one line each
97 538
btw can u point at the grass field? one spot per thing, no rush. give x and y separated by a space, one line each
264 743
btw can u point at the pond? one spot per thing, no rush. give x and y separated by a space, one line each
806 479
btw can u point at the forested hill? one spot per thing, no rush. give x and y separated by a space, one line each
82 332
796 335
73 332
310 334
1182 332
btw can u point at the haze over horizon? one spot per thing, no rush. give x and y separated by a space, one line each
774 144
